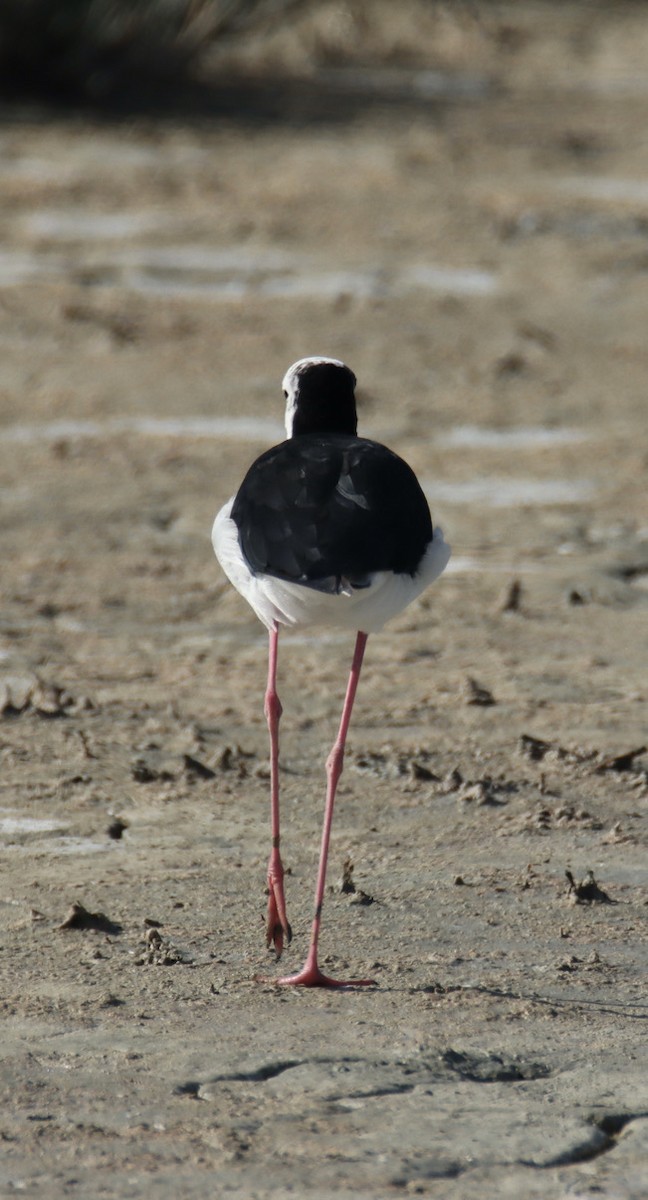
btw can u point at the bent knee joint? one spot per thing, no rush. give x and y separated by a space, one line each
335 760
272 706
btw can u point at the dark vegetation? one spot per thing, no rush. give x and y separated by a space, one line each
112 52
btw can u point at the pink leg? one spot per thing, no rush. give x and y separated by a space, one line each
310 974
277 926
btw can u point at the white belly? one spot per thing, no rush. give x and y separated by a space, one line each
275 601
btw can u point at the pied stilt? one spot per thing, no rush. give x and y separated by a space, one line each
326 529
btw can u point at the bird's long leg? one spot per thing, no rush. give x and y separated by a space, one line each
277 927
310 974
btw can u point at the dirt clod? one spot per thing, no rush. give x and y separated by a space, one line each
79 917
511 600
347 886
587 891
117 828
621 762
476 693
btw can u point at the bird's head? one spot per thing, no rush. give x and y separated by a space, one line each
319 394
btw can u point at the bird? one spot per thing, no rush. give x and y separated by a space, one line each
327 528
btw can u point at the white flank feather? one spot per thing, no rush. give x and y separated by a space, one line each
276 601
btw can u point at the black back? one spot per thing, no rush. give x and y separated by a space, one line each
317 509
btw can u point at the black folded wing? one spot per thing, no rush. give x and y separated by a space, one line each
330 510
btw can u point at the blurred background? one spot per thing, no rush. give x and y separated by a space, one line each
453 197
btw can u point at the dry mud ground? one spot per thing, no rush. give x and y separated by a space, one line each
480 260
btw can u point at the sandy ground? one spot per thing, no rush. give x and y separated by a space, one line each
480 261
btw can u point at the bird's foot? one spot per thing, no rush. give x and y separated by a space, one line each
277 925
311 976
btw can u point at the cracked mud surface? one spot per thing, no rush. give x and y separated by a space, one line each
498 744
